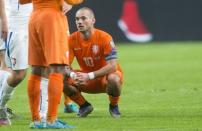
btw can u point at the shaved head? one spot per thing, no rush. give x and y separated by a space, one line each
89 12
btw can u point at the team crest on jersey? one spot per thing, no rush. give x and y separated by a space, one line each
112 44
95 48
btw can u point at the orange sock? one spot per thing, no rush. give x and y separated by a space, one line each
55 87
114 100
78 98
34 96
67 100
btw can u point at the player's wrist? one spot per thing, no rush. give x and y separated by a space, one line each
72 75
91 75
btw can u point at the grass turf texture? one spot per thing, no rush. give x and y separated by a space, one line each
162 92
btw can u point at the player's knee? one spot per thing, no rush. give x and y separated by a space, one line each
114 85
38 70
69 90
21 74
114 79
63 69
17 77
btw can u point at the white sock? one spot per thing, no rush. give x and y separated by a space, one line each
44 98
3 76
7 92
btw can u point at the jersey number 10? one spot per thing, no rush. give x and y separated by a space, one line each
88 61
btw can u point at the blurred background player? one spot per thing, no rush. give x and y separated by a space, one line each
131 23
97 57
16 54
53 57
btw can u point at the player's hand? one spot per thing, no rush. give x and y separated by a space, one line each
4 30
73 75
82 78
66 7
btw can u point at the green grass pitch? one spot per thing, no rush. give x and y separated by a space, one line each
162 91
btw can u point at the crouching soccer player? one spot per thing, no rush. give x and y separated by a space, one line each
96 55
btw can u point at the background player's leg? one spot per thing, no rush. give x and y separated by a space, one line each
69 105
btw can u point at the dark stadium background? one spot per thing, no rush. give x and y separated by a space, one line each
168 20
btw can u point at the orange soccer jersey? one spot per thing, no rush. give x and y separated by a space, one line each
91 54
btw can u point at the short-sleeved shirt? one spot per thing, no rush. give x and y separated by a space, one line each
92 54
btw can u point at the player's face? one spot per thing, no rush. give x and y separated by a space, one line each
84 21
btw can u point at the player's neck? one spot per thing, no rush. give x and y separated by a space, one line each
87 34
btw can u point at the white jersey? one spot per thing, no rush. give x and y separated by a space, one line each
18 15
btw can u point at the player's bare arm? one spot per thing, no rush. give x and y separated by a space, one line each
4 20
109 68
1 6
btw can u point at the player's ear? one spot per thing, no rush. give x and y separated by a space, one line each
93 20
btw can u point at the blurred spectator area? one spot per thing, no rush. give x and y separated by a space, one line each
167 20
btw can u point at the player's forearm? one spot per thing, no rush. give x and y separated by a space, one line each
4 22
74 2
1 6
25 1
2 10
109 68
